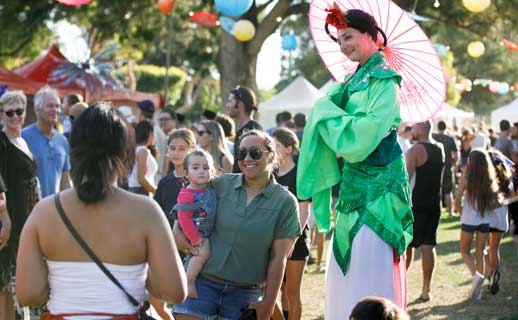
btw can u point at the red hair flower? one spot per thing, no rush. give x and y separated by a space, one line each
336 18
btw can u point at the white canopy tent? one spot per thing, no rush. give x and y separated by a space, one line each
508 112
298 96
453 116
325 88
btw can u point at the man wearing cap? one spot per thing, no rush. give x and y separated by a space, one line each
145 112
241 105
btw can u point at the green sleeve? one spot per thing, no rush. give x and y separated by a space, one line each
332 130
288 224
355 137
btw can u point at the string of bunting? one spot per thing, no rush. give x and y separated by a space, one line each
498 87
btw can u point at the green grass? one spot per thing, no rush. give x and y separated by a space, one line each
450 285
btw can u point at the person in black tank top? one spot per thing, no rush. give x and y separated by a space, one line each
425 160
287 146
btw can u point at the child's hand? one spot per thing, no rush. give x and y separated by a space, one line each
199 243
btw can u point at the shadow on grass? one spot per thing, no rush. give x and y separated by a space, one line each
464 310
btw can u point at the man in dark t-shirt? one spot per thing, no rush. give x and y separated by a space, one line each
450 160
241 105
426 160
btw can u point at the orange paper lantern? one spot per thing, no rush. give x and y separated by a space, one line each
166 6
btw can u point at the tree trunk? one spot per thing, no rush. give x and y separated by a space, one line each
237 61
236 64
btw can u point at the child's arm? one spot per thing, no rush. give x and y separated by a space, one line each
185 217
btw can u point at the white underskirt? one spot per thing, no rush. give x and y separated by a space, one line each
370 273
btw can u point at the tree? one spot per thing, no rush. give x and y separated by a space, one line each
237 61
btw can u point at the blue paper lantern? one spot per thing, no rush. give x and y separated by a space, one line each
503 88
234 8
440 48
289 42
227 24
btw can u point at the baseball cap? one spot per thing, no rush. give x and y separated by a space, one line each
146 106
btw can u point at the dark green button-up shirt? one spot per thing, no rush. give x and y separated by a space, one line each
243 235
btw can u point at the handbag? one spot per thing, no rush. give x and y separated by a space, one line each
143 308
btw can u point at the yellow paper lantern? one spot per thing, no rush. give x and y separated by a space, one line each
243 30
476 5
476 49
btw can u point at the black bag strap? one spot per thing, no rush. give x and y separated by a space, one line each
89 251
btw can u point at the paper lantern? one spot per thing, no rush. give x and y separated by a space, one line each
476 5
166 6
204 19
466 84
476 49
227 24
74 2
234 8
503 88
289 42
441 49
243 30
493 86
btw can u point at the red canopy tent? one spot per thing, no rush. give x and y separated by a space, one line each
41 68
14 81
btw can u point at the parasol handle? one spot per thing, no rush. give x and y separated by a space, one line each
384 37
329 33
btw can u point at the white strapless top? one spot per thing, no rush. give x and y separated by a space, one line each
81 287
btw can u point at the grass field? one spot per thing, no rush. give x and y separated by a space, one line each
450 286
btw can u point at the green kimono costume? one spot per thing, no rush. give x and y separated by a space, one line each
357 120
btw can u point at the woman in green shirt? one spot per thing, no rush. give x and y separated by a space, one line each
257 222
358 120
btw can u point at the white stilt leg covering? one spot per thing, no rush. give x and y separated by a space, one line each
372 272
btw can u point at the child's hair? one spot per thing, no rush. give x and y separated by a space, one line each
481 183
288 138
185 134
200 153
503 173
377 308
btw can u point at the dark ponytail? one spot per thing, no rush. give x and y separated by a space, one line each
99 147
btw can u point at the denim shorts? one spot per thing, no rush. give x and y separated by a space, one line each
482 228
218 300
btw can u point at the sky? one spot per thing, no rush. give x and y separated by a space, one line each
74 47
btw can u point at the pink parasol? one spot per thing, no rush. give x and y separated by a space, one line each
408 51
74 2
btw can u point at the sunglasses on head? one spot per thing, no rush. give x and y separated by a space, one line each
255 153
10 113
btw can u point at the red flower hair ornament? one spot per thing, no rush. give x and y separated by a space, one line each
337 19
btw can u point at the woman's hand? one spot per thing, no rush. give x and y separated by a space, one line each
182 242
263 309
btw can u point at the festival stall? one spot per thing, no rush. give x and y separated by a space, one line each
298 96
41 70
508 112
453 116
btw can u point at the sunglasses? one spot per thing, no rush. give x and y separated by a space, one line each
255 153
11 113
202 132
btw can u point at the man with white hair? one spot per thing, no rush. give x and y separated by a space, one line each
50 148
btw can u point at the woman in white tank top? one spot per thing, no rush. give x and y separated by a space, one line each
128 233
142 177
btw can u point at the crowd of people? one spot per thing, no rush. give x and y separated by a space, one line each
471 173
98 209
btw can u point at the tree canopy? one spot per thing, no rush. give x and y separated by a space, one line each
139 28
